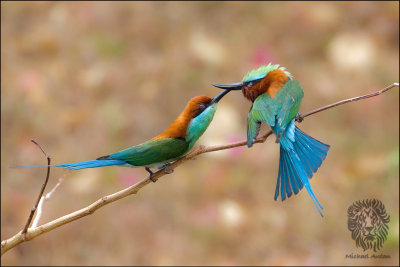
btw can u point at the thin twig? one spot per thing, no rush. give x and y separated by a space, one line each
302 116
43 199
38 213
34 232
41 191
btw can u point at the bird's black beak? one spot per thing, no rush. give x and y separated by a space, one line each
219 96
232 86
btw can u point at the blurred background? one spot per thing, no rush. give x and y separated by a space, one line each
88 79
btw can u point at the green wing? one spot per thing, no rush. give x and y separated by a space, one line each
277 111
253 128
265 109
290 97
153 151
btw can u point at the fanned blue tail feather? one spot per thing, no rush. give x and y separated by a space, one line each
83 164
300 157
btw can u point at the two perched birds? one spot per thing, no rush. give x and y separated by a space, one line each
276 99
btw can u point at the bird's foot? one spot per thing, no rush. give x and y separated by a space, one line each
299 118
151 174
167 169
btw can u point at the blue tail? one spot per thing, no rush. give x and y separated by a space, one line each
300 157
83 164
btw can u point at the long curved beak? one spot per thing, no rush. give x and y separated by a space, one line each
219 96
232 86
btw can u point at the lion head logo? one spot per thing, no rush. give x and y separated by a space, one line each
368 223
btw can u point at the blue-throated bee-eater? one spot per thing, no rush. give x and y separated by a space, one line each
276 99
165 148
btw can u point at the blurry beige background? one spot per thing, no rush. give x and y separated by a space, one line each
88 79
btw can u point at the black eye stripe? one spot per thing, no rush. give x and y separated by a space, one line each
253 82
200 109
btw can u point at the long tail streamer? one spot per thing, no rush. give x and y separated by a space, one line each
82 165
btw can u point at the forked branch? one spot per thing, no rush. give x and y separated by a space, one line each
28 222
34 232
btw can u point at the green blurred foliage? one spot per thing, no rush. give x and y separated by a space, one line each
86 79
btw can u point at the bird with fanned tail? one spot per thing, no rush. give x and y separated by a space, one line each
276 98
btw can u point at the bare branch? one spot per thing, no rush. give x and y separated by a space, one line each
34 232
302 116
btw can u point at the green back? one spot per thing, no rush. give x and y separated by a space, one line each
165 150
277 111
153 151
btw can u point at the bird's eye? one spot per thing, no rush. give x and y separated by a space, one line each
200 109
253 82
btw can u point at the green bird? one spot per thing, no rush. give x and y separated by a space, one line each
276 99
160 151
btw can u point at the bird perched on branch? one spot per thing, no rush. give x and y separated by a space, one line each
276 99
165 148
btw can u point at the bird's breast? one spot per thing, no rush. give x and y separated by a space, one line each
250 93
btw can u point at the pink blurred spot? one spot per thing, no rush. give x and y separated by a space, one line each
30 80
205 215
85 12
262 56
127 178
236 151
